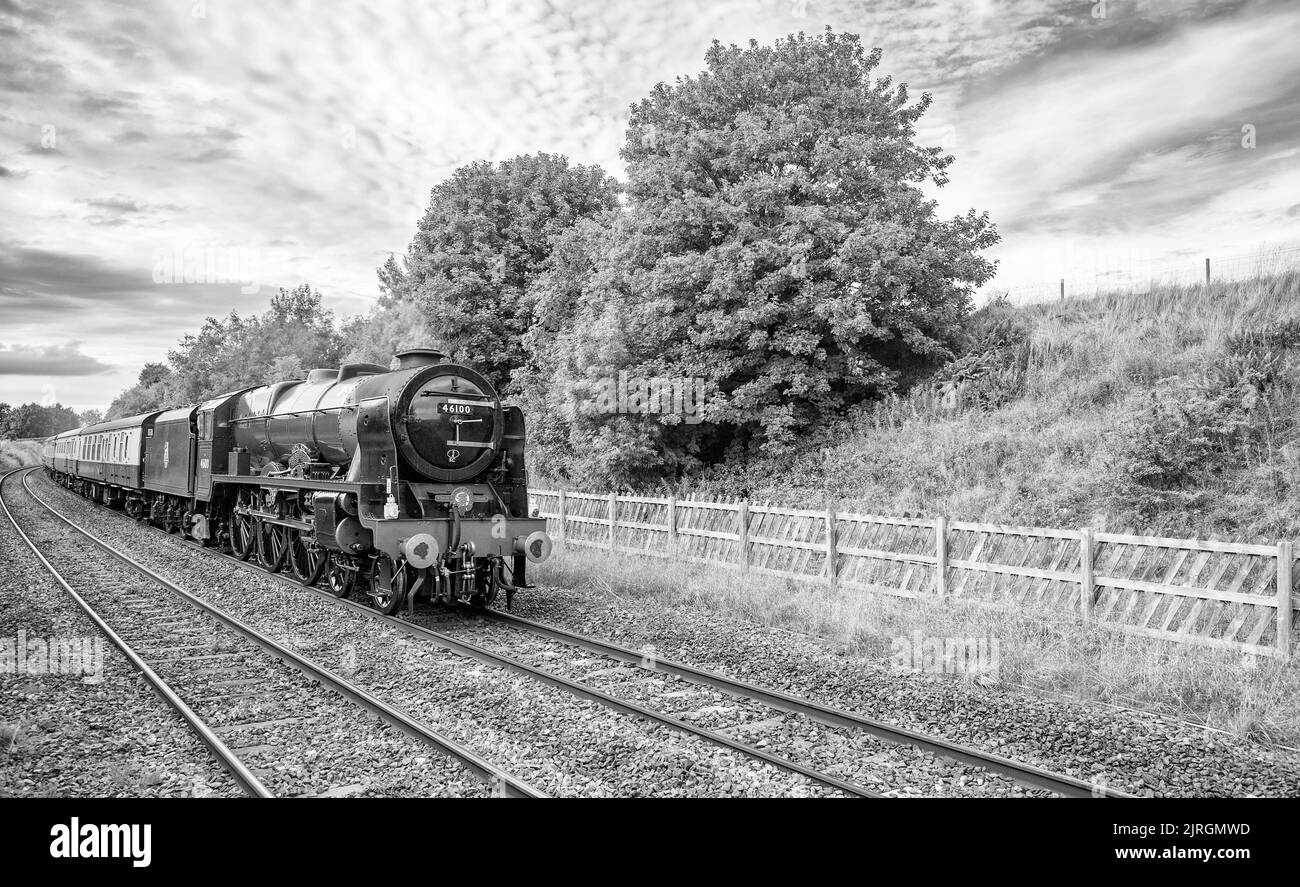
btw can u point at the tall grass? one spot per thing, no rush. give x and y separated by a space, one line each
1044 449
17 453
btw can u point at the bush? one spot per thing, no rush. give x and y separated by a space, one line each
1279 335
1192 429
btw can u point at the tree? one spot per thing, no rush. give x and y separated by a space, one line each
386 330
90 417
485 236
150 392
295 334
776 244
35 420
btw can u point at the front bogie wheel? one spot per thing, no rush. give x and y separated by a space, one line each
340 578
389 600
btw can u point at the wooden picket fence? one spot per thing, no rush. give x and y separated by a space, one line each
1230 595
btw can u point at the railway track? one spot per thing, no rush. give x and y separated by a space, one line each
471 651
205 662
1025 775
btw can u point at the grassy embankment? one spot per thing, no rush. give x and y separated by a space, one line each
17 453
1172 411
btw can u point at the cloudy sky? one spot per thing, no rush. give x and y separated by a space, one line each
287 142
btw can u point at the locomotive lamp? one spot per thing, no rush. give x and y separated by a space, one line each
391 511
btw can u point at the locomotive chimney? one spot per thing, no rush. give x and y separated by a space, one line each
418 357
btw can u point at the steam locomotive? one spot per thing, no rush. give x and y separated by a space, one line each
401 484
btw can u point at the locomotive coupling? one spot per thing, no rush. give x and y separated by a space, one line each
535 546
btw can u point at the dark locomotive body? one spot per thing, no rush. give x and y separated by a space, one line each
404 483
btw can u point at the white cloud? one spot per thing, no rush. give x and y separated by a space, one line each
311 134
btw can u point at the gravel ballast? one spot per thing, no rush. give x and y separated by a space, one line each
849 754
569 746
1132 751
298 738
85 735
562 744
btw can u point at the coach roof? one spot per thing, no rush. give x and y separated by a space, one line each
118 424
183 413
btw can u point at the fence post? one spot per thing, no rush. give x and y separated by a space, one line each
742 518
832 544
1087 584
613 517
672 523
1062 287
564 535
1207 270
941 550
1284 559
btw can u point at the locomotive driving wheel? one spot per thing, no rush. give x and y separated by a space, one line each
306 562
242 539
389 600
272 547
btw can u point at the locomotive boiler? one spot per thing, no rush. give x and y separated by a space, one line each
402 483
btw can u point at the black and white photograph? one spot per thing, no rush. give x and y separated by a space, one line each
697 399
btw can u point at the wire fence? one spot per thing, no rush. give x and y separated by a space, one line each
1135 273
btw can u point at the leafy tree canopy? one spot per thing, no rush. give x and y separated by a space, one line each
776 243
35 420
293 335
483 239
